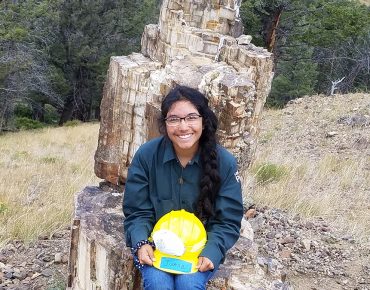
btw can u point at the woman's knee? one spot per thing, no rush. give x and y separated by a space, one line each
193 281
154 279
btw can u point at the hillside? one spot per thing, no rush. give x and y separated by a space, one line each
321 234
322 145
309 186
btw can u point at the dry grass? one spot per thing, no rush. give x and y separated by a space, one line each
326 177
366 2
40 171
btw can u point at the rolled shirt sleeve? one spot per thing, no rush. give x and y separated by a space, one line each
223 229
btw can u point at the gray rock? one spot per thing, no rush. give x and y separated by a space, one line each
47 273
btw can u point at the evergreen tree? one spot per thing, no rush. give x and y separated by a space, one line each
93 31
27 31
313 42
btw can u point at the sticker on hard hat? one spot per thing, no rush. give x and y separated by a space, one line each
175 265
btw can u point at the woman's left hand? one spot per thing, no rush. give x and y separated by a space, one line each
204 264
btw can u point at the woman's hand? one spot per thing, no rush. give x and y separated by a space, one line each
204 264
146 255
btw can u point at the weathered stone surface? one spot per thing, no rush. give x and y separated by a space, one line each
194 44
123 103
98 257
104 262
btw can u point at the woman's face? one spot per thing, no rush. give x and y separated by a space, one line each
184 136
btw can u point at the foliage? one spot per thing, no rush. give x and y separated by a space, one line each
269 172
25 123
23 110
314 43
54 54
3 207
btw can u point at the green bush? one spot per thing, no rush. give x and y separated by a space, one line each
269 172
3 207
72 123
24 123
23 110
51 115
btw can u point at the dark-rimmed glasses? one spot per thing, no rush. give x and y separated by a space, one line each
190 119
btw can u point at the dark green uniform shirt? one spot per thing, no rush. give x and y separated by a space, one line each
157 183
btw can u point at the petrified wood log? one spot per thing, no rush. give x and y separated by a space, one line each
194 44
99 259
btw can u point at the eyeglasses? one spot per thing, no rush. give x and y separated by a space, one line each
190 119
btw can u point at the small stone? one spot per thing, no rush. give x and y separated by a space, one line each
3 259
43 237
244 39
46 258
64 259
251 213
288 240
261 261
57 235
35 275
331 134
246 230
285 253
272 245
47 273
278 236
58 258
20 275
26 281
306 243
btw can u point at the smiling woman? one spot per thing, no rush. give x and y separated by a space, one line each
184 135
185 169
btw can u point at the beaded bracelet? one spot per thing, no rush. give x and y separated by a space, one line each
134 250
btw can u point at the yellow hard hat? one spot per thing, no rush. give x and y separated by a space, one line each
179 237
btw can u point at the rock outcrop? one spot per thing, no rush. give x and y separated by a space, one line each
100 260
198 44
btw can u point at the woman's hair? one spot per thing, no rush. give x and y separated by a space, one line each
210 179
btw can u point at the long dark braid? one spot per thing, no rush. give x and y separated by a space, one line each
210 179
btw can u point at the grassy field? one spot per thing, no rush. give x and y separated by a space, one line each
40 171
300 169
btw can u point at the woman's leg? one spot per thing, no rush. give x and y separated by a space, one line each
155 279
193 281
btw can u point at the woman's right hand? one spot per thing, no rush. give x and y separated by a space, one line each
146 255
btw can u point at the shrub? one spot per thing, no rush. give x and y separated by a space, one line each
51 115
24 123
3 207
23 110
269 172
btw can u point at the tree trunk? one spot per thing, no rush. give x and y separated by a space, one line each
67 110
270 29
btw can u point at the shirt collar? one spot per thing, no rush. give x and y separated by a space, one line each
169 153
